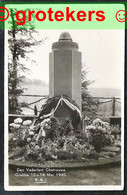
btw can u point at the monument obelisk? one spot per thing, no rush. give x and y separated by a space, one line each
65 70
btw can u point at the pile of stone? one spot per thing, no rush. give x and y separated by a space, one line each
110 151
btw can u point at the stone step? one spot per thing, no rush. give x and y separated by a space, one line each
111 149
103 154
112 154
107 156
117 144
101 158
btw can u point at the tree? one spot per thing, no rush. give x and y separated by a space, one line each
89 105
21 42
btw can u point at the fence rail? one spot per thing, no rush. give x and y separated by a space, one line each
35 95
113 101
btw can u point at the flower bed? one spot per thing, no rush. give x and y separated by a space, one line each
54 139
99 134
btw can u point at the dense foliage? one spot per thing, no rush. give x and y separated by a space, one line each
99 134
89 105
20 45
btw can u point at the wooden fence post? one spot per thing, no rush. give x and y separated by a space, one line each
113 106
35 110
84 126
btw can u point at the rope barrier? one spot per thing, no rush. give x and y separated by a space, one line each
66 102
105 98
35 95
117 101
104 102
37 101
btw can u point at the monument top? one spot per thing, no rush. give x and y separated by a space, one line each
65 36
65 42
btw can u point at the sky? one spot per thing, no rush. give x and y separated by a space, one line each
102 55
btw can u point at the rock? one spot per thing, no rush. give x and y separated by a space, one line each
112 154
103 154
111 149
107 156
101 158
117 144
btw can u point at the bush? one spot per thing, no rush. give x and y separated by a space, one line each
99 134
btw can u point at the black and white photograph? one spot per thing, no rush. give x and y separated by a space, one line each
64 109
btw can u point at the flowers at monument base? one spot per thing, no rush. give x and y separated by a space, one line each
18 121
43 133
15 126
37 147
14 138
31 133
11 124
99 134
27 123
28 139
53 139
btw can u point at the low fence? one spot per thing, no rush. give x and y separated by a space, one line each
108 106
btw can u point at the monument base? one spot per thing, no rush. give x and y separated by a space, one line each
63 112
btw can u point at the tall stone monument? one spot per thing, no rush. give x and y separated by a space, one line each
65 71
